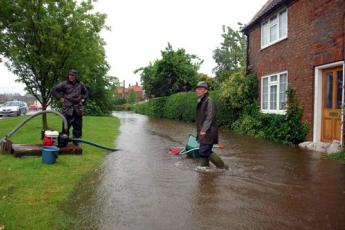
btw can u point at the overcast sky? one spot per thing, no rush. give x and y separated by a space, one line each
140 29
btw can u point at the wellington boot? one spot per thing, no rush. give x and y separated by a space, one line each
205 162
217 161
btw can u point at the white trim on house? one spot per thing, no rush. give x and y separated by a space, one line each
277 83
318 99
267 20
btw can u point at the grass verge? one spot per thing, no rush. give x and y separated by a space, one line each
31 193
337 156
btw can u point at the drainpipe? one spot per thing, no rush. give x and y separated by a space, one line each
342 110
123 89
342 98
247 51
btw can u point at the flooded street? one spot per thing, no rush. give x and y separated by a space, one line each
268 185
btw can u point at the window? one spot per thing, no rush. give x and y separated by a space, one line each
329 90
339 88
274 29
273 93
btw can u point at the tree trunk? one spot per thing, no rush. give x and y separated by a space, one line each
44 116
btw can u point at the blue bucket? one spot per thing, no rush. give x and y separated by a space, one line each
49 154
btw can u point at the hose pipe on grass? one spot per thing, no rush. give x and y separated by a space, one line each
77 140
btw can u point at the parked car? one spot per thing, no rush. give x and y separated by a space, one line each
13 108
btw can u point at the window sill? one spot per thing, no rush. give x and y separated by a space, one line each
278 41
279 112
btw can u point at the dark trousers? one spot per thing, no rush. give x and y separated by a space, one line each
77 123
205 150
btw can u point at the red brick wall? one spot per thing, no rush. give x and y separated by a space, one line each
315 37
327 20
139 95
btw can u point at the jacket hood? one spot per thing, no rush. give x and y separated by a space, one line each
73 72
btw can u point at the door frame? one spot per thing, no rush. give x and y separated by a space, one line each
318 100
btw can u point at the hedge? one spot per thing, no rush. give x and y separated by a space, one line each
286 128
182 107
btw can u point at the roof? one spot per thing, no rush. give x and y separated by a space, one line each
120 90
137 88
269 6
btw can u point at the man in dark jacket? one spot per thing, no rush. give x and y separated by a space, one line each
72 93
207 130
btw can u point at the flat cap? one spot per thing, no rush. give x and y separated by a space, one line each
202 84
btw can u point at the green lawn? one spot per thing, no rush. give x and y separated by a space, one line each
32 193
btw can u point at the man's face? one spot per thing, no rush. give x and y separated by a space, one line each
71 77
201 91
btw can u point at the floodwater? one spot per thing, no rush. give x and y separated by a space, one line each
268 185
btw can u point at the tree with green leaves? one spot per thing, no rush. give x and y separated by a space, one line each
131 97
113 85
231 55
175 72
43 39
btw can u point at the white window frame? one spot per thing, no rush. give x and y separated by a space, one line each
277 30
277 83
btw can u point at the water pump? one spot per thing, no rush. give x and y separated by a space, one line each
61 140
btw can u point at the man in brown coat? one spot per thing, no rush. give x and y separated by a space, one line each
207 130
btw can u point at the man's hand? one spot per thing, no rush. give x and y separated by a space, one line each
62 99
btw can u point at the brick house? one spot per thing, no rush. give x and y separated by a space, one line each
137 89
300 44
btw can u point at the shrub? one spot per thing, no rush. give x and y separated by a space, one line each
225 116
286 128
236 96
124 107
181 106
296 131
140 108
337 156
155 107
239 91
119 101
93 109
250 124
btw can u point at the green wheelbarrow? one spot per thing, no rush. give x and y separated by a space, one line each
191 149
